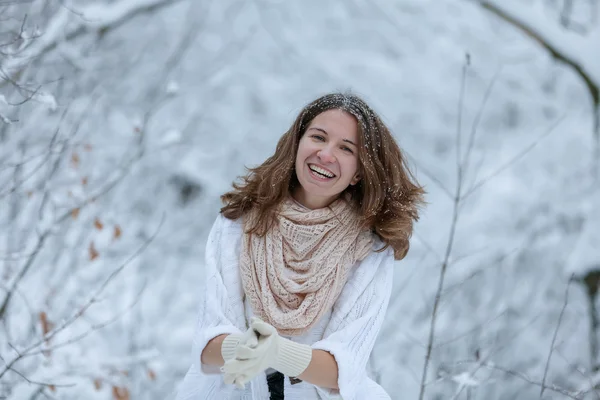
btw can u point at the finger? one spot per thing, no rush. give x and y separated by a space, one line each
253 339
235 379
243 352
241 380
263 328
250 338
229 379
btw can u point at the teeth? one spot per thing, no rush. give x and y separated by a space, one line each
321 171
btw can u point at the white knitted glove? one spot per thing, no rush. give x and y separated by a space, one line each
272 351
228 348
230 343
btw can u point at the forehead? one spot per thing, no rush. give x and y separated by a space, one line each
337 122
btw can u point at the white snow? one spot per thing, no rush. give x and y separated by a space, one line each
226 102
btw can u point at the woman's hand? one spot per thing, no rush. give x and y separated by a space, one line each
269 351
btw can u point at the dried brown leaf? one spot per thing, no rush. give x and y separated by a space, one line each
45 323
75 160
151 374
117 233
93 252
120 393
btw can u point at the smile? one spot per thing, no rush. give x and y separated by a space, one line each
321 172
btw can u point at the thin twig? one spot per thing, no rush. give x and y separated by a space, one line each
582 373
558 52
524 377
475 126
430 175
545 43
471 330
47 157
483 360
120 14
446 260
560 316
42 383
461 98
93 328
44 235
93 299
514 159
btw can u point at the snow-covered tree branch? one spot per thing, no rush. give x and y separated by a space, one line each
69 23
577 50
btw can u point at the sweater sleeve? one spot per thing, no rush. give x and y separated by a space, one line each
355 322
216 315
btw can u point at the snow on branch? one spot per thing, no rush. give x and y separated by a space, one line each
68 24
102 15
579 52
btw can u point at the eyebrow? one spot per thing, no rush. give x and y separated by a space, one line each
325 132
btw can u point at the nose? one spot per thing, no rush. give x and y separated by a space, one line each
326 156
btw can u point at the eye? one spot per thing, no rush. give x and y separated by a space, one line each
318 137
347 149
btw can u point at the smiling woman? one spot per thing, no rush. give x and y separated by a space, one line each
327 159
299 264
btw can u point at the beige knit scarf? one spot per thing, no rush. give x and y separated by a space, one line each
295 273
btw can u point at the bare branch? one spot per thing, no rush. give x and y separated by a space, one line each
48 154
106 17
581 372
470 330
475 126
22 272
34 382
285 46
442 276
484 360
522 376
514 159
563 50
429 174
93 299
461 97
562 311
566 47
94 327
23 297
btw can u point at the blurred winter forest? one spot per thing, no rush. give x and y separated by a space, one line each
122 121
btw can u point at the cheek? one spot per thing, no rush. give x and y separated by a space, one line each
300 156
300 150
304 150
351 168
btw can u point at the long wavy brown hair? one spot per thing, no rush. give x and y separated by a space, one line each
387 198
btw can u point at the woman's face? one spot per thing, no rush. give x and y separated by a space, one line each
327 158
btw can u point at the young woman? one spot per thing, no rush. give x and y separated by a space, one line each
299 263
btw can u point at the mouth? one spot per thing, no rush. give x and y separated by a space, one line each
320 172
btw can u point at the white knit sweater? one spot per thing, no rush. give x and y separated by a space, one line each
348 331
